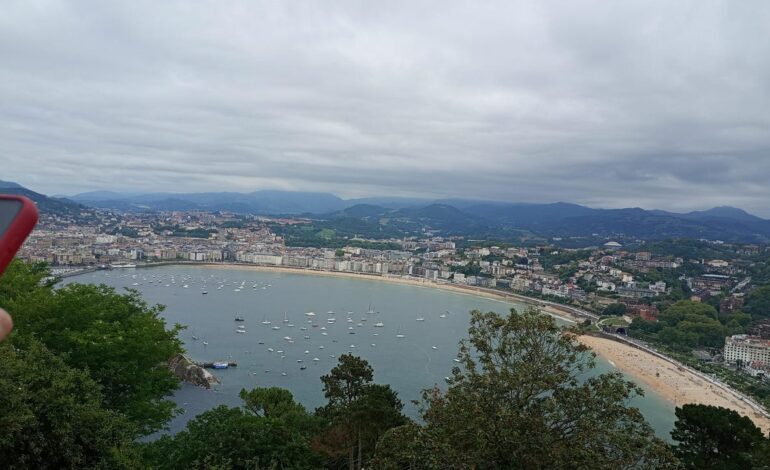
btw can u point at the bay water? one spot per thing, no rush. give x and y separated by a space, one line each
295 326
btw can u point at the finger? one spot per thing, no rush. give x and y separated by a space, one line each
6 324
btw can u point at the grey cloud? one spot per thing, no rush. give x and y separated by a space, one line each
612 104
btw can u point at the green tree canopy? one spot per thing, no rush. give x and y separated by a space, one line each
758 302
52 414
615 309
121 341
522 398
270 431
716 437
358 411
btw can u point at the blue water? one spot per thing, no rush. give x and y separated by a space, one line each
422 358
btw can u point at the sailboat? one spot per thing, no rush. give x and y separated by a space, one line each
379 324
371 309
239 318
265 321
285 317
399 334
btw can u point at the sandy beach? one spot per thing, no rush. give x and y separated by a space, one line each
674 384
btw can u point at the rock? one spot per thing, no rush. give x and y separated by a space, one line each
187 370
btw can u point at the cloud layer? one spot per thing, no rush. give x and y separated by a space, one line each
652 104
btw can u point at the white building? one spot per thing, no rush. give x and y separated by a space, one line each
750 350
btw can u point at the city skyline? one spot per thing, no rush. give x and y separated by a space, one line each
658 106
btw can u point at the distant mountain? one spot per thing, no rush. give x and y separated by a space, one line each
472 218
724 213
362 211
46 205
258 202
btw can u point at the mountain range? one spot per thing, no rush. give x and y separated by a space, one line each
471 218
45 204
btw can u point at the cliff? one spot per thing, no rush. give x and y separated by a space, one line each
190 372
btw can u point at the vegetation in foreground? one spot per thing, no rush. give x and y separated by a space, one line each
83 378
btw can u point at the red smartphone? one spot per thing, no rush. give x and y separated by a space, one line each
18 216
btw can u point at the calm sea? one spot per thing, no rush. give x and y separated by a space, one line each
418 360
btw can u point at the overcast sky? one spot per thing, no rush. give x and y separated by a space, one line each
610 104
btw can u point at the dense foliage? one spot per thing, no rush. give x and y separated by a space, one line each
715 437
687 325
120 341
521 398
270 431
53 414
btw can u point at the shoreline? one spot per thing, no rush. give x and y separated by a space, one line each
415 282
675 383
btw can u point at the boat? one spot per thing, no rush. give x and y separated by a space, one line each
287 338
202 293
122 265
399 334
205 343
379 324
285 318
221 365
302 367
434 347
270 349
443 315
420 318
195 338
370 310
265 321
330 312
310 314
239 318
276 327
240 331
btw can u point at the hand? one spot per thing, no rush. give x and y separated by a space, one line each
6 324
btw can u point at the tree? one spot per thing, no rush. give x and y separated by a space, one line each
52 414
270 431
615 309
357 412
687 309
716 437
522 397
121 341
758 302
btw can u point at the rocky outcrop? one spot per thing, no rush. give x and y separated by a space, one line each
190 372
